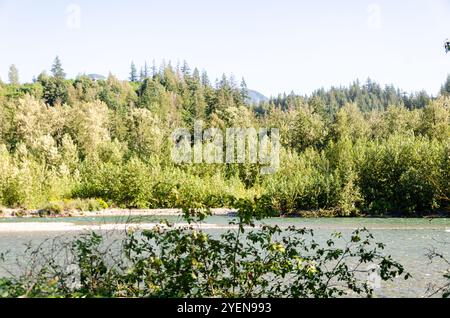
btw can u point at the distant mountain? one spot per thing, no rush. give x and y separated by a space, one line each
256 97
96 77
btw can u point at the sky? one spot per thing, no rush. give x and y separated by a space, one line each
276 45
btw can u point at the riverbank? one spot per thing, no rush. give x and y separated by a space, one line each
407 240
118 222
8 213
65 227
20 213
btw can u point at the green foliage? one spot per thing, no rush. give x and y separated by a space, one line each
347 151
54 90
84 145
401 175
57 69
309 130
51 209
133 73
170 261
317 180
67 206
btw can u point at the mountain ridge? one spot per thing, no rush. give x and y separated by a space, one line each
255 97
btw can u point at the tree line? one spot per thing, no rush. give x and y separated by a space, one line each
361 149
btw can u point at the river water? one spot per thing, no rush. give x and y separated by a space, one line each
407 240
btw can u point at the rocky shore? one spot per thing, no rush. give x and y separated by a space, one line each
20 213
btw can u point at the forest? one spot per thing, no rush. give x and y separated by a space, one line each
89 143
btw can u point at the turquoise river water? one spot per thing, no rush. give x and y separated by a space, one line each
407 240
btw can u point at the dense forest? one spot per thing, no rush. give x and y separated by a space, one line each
362 149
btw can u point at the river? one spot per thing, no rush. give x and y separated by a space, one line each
407 240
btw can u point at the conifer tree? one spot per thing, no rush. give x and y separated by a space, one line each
205 79
185 69
244 91
196 75
146 70
133 73
57 69
142 76
154 69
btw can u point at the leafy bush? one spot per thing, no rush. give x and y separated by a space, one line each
52 208
401 175
83 205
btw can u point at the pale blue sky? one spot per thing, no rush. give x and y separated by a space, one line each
277 46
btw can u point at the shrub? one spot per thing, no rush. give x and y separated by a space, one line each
51 209
399 174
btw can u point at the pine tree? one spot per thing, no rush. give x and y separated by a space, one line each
142 76
205 79
133 73
154 69
57 70
196 75
223 83
185 69
447 46
146 70
244 91
13 75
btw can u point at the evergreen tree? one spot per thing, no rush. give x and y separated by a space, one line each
57 70
151 96
154 69
205 79
133 73
196 75
142 75
232 82
13 75
223 83
244 91
54 90
447 46
146 70
185 69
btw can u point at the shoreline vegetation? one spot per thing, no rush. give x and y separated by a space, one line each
183 260
87 145
7 213
20 213
92 147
